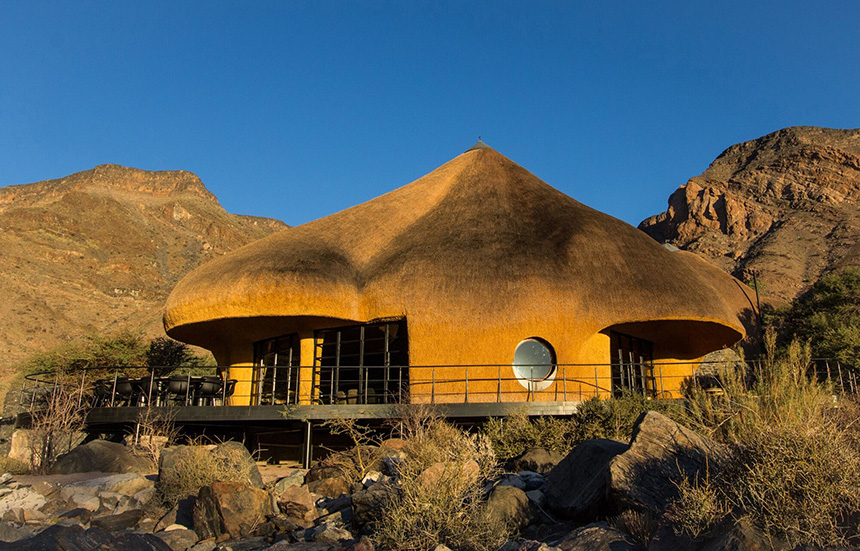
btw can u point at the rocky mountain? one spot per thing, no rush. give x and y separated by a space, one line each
101 249
785 206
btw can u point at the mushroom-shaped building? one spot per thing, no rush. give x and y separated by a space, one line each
476 282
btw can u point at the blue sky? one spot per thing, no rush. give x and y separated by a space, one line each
296 110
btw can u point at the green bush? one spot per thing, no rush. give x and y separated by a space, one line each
828 316
513 435
125 349
122 349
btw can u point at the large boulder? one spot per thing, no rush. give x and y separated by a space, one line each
331 487
578 486
539 460
25 441
297 505
177 538
75 538
236 509
101 456
661 453
347 465
127 484
122 521
295 478
510 506
366 504
598 537
182 513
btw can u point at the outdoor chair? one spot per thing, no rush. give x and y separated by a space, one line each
128 392
179 389
208 389
102 390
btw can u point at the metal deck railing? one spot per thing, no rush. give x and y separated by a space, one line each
379 385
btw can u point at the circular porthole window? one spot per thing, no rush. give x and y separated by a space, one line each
534 364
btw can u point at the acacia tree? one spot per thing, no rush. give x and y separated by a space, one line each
828 316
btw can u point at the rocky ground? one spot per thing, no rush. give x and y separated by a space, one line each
603 495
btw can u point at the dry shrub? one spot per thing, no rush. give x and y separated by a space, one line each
701 506
776 392
513 435
363 457
450 510
154 430
196 466
800 485
642 526
795 466
13 466
55 427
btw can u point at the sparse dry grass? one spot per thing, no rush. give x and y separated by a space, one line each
196 466
449 508
795 466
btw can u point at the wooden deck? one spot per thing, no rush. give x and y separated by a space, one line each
109 416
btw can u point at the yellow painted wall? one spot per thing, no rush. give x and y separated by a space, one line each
472 352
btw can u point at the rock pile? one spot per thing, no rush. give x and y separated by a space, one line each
566 508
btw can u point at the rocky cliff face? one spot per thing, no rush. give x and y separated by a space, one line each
786 206
101 249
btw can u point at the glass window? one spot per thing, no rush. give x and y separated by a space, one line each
362 364
534 360
276 370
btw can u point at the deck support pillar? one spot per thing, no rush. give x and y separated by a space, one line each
307 445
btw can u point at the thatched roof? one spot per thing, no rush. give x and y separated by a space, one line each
478 241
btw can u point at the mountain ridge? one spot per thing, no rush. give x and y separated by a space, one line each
100 249
785 206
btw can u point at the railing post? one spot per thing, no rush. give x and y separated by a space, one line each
596 384
467 385
499 387
307 445
661 381
224 378
564 381
151 382
188 386
841 384
81 395
274 380
113 390
433 386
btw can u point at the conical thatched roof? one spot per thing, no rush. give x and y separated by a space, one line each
478 242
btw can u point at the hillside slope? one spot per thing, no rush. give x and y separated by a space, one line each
786 205
101 249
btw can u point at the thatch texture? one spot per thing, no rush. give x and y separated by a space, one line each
477 255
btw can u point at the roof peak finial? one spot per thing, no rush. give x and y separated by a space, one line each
479 145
